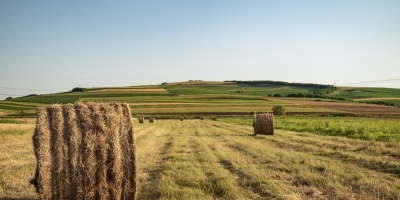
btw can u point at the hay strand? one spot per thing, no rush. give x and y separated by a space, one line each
41 143
57 149
263 124
73 144
85 151
130 167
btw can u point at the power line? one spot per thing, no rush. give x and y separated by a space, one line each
379 81
28 89
14 95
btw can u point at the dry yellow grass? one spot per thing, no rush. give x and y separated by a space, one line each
17 166
203 159
16 127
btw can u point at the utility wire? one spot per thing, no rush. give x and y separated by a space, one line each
379 81
11 95
28 89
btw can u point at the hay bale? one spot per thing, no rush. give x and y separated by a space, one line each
263 124
85 151
152 119
181 119
141 120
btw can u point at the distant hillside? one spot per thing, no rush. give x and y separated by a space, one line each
217 98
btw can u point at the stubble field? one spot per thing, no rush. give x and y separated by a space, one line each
204 159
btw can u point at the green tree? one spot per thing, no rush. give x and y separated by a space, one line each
78 89
278 110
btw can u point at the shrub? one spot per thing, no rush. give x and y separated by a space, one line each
278 110
78 89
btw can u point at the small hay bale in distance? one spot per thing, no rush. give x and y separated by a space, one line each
181 118
85 151
263 124
141 120
152 119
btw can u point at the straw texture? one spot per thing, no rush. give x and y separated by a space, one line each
263 124
85 151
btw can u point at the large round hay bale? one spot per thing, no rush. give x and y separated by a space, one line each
263 124
141 120
85 151
152 119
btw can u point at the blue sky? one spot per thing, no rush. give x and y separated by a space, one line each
53 46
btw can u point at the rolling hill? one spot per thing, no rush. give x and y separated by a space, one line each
211 98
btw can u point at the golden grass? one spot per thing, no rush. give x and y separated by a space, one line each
17 166
203 159
16 127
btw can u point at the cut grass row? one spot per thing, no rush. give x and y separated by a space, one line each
240 166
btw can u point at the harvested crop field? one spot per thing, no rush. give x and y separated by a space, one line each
203 159
376 98
353 108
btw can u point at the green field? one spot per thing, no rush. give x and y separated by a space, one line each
202 98
357 93
350 127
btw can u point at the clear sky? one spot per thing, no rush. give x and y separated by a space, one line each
53 46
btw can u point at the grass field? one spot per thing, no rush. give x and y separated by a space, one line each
350 127
205 159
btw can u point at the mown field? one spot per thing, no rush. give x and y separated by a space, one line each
206 159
